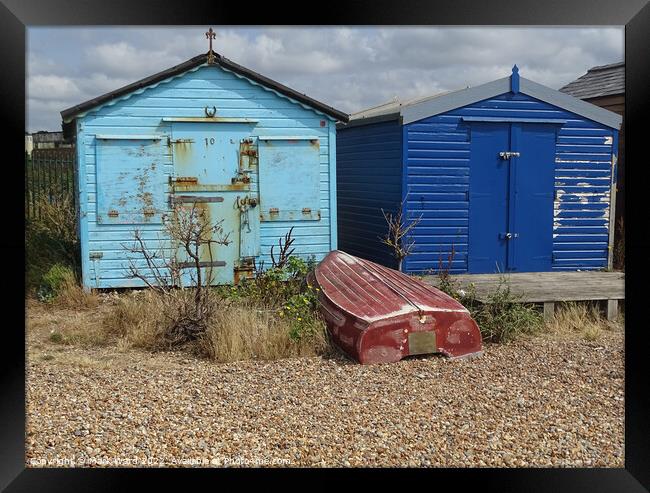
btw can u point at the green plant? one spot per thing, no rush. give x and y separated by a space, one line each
283 289
273 287
501 315
53 282
56 337
301 310
51 238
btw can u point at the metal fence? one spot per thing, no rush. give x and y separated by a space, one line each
49 175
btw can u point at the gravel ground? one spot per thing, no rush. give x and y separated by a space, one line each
536 402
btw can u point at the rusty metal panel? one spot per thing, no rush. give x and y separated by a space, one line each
207 175
249 223
131 182
195 199
289 178
275 214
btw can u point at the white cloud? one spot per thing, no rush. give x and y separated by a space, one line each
52 87
125 60
349 68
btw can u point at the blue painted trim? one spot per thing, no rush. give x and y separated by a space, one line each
453 100
571 104
201 119
404 144
83 206
288 137
457 99
514 80
496 119
175 76
129 137
332 175
515 132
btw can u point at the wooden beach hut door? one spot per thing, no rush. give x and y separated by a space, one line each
207 176
511 197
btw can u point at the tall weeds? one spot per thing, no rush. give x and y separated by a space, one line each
501 316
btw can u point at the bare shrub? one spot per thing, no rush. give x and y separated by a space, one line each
396 238
285 250
187 309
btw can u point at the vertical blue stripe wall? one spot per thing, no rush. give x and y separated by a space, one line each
369 179
186 95
436 161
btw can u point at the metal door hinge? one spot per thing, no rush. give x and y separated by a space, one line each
508 154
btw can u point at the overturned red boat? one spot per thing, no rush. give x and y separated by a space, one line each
379 315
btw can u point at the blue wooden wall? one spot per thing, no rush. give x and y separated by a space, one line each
369 178
437 169
186 95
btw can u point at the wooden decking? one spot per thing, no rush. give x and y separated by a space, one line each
551 287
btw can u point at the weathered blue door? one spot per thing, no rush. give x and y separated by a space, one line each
488 198
209 178
511 197
531 216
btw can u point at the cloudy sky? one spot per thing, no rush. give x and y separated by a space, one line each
347 68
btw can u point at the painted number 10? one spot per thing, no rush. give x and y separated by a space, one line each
209 141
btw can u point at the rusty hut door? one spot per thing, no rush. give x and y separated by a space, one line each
210 174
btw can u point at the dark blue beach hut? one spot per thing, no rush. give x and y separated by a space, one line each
508 176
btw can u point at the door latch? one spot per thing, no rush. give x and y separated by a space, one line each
508 236
508 154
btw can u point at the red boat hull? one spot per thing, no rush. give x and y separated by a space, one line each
379 315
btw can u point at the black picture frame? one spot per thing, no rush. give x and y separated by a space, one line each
17 15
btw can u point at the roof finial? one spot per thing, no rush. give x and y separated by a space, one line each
514 80
210 35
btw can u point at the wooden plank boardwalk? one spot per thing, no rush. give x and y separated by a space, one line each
551 287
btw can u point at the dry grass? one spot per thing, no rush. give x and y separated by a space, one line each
584 319
59 324
237 331
72 295
136 320
241 332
